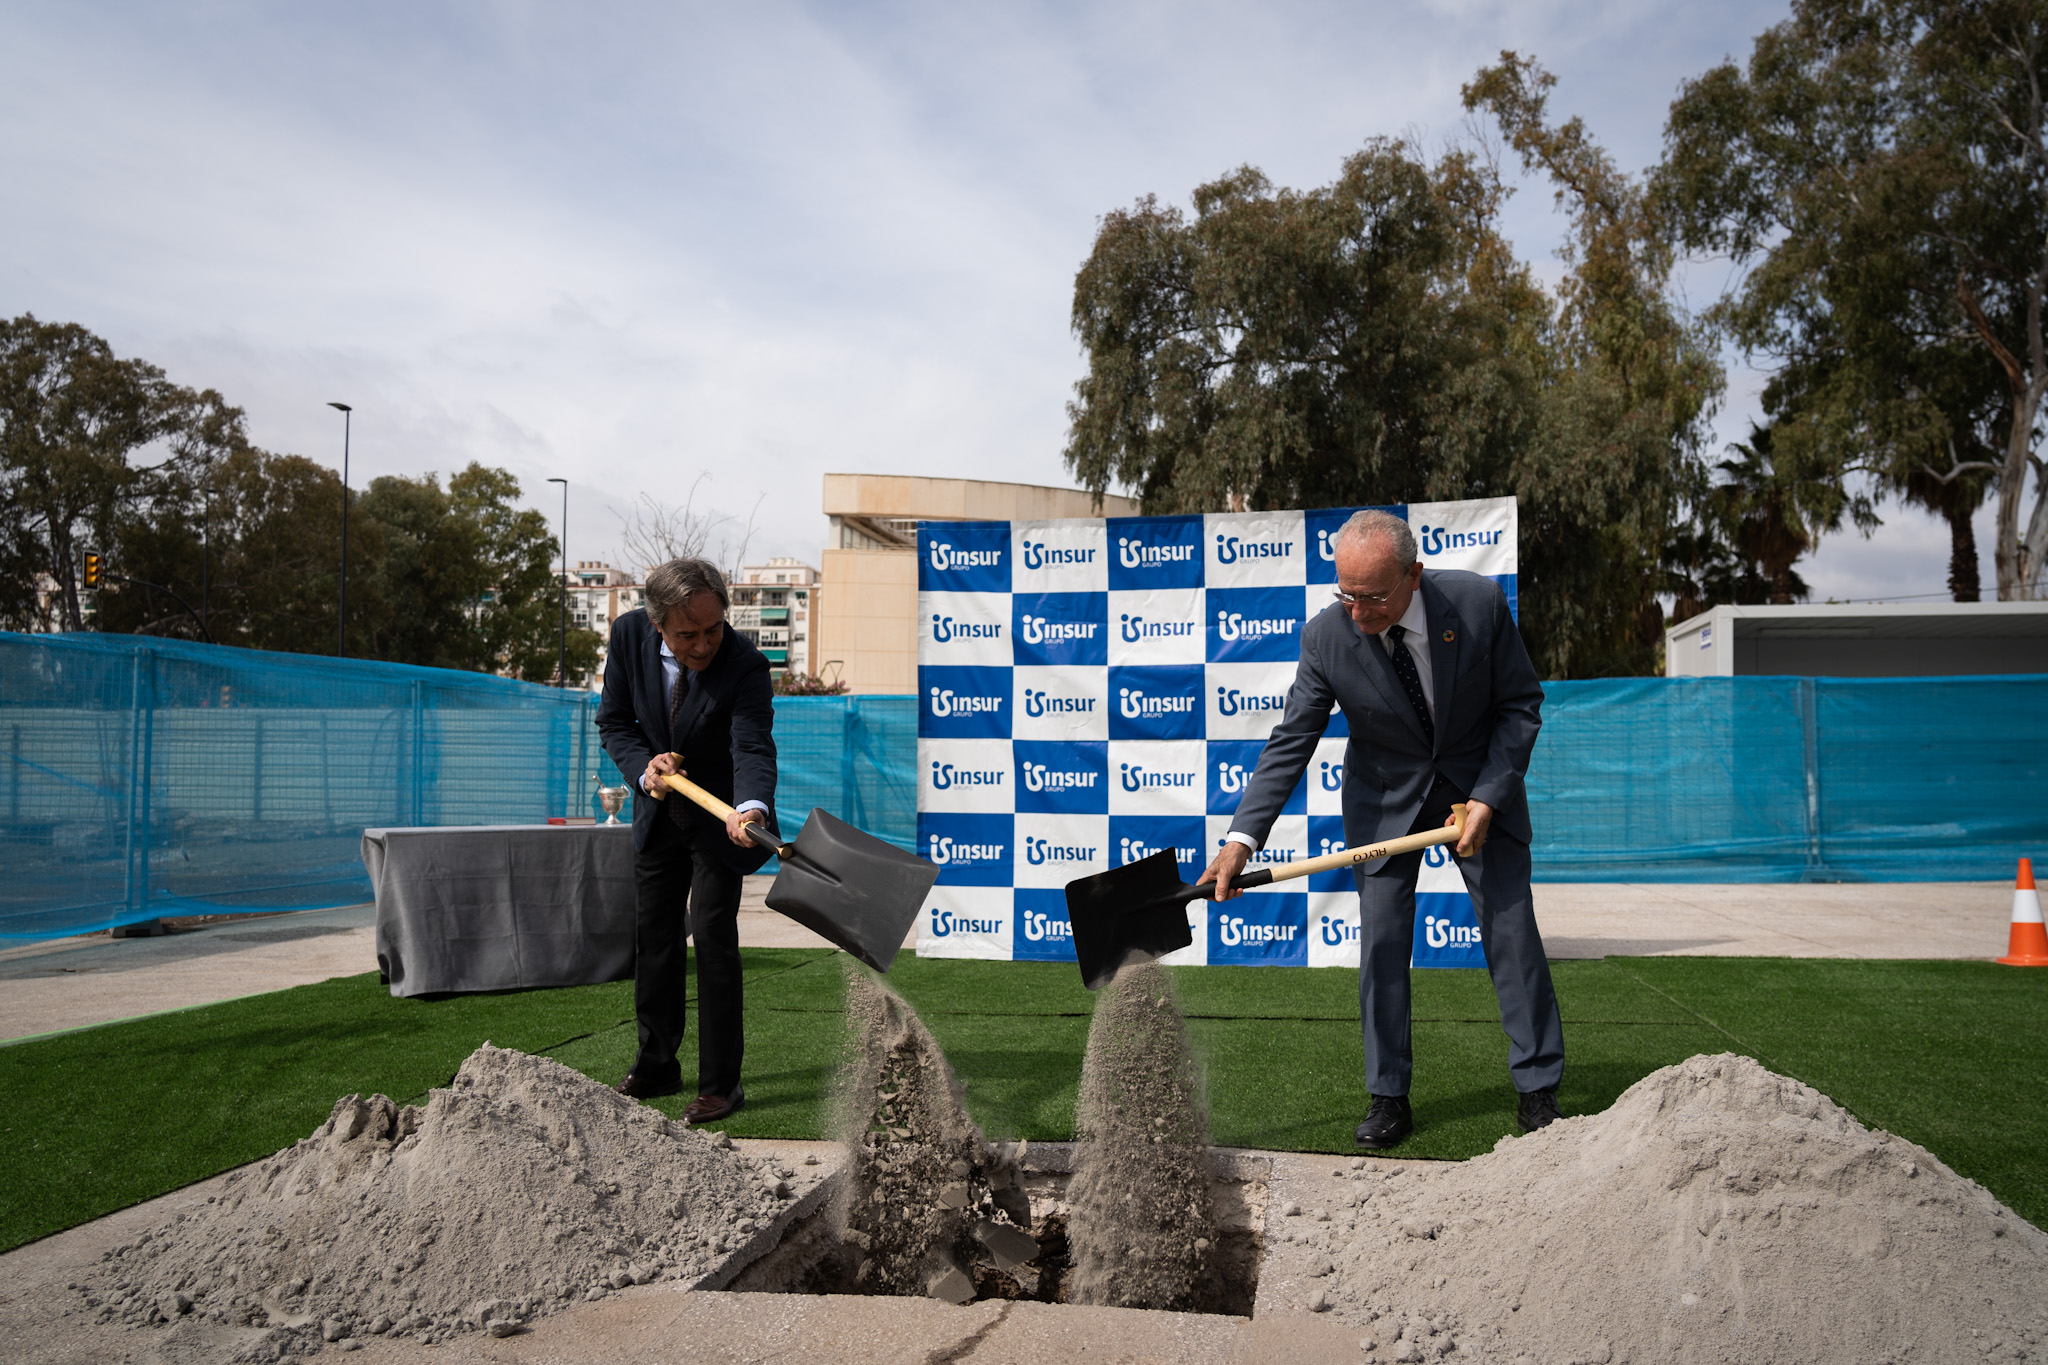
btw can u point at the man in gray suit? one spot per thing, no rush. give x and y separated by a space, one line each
1442 703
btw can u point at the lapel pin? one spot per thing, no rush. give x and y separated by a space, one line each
1450 635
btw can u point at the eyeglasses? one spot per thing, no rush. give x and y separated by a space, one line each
1371 599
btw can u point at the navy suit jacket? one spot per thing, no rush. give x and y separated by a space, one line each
725 734
1487 698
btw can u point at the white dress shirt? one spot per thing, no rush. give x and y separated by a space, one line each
671 678
1415 621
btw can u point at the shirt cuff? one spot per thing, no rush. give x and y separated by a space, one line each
1245 839
743 807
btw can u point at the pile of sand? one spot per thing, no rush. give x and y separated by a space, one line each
1718 1212
521 1187
1141 1228
926 1205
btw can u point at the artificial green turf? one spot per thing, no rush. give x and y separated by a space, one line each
1953 1055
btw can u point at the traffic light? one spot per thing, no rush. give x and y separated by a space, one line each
92 569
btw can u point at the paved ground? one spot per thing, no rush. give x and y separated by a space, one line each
72 983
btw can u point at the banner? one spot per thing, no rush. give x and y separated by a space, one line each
1095 690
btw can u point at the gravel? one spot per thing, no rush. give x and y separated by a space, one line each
520 1188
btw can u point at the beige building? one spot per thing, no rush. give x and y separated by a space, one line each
869 627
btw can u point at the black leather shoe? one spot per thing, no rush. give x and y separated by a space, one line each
1386 1123
644 1085
1537 1109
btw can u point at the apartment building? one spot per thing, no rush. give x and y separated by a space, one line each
775 605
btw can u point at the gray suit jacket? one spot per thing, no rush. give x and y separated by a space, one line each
1487 698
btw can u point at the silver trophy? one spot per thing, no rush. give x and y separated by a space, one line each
613 799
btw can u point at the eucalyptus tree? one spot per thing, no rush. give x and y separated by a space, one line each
1881 170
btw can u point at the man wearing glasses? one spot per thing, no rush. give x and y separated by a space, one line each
684 693
1442 704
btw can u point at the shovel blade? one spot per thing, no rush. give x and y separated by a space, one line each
1137 909
851 889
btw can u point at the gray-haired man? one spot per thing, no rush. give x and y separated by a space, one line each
1442 704
684 693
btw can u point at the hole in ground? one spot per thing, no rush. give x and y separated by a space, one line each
812 1258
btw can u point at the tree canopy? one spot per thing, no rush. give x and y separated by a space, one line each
1881 169
1375 341
191 519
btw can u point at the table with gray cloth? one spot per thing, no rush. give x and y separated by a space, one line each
502 907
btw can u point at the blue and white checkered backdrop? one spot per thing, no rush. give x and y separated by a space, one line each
1093 691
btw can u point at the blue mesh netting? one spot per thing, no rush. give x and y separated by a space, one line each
151 777
1788 779
148 778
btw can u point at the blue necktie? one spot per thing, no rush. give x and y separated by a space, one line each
1411 681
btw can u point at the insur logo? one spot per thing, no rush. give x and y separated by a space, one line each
1038 927
1441 933
1235 626
1039 852
1040 631
1434 540
1230 701
1136 705
1137 778
946 702
1135 554
945 922
945 630
1236 932
954 853
1038 555
1039 778
1136 628
1229 549
1037 703
945 775
945 557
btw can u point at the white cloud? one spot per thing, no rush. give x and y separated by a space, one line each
628 244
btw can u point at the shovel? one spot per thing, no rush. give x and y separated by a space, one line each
847 887
1141 908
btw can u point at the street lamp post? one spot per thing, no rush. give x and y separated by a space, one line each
341 604
562 658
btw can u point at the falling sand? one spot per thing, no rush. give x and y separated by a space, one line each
926 1206
1141 1229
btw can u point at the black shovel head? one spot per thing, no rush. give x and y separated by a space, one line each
851 889
1134 910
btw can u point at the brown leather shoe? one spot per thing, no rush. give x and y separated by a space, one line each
642 1085
712 1108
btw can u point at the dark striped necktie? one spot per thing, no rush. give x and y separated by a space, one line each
1411 680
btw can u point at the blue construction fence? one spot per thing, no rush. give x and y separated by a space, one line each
151 778
158 778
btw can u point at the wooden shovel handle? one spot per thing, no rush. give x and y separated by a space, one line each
1352 857
677 782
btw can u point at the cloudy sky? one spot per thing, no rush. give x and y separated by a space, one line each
634 244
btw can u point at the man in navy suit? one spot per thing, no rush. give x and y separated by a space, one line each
685 693
1442 704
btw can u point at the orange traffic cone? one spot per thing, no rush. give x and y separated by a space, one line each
2029 942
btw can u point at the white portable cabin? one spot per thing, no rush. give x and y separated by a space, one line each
1873 640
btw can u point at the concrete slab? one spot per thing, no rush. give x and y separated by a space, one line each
1842 919
75 982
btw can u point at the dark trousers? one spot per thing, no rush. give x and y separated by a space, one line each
681 889
1498 879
